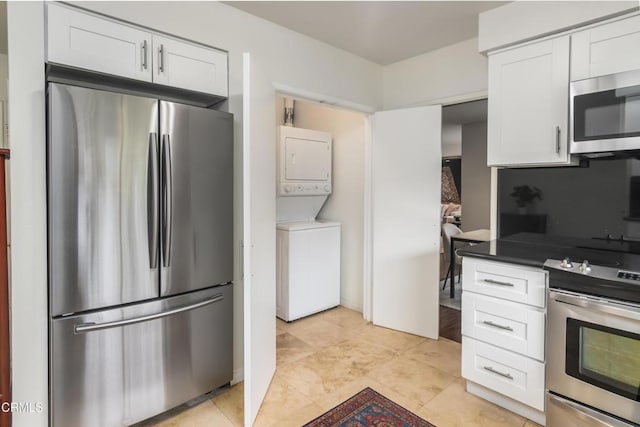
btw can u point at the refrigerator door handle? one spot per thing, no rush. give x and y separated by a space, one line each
88 327
167 200
152 199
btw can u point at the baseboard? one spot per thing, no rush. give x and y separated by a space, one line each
238 376
351 305
506 402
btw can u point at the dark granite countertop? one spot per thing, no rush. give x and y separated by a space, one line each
533 249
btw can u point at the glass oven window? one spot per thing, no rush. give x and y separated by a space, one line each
607 114
604 357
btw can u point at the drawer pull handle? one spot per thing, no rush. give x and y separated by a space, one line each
493 371
495 325
497 282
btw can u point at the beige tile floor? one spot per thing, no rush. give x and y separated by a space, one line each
324 359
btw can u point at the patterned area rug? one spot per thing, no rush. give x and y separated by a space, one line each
367 409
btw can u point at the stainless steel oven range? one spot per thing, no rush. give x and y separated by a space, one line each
593 344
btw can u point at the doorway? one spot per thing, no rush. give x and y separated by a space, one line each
465 196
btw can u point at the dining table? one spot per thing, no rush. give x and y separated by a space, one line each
473 236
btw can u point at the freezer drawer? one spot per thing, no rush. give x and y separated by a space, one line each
120 366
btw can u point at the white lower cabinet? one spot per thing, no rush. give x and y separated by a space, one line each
511 374
503 334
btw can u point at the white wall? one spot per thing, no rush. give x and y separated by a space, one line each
451 140
28 279
346 203
435 77
4 75
523 20
289 58
476 177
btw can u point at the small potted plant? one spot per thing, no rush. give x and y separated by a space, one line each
524 196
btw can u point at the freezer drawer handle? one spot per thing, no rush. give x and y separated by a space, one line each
497 282
495 325
493 371
88 327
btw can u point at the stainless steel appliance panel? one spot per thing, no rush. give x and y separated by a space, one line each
119 366
566 413
197 197
604 113
103 206
565 306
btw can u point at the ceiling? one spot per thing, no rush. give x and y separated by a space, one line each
381 31
467 112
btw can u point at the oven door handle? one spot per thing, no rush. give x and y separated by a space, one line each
617 309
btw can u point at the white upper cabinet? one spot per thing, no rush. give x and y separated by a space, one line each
528 105
86 41
189 66
606 49
83 40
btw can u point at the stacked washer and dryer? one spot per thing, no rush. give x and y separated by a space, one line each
308 251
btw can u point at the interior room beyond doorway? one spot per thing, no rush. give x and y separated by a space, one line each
466 194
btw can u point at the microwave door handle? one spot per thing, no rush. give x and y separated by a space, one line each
616 309
557 139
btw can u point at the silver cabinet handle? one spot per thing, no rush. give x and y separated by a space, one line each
153 177
497 282
161 59
88 327
557 139
167 200
144 54
495 325
493 371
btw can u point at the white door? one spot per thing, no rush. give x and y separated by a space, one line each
259 235
405 219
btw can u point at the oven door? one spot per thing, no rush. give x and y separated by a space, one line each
605 113
594 352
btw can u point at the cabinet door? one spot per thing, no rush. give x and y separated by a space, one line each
189 66
528 105
86 41
608 49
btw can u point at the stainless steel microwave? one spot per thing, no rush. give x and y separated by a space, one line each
605 113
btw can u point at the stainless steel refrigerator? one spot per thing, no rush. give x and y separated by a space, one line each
140 196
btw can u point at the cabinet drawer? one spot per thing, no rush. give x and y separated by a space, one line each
86 41
513 375
506 324
508 281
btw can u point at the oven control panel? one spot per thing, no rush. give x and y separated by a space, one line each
629 275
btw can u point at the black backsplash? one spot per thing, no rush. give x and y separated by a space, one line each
600 198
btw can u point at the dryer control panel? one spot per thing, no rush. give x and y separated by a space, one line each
304 162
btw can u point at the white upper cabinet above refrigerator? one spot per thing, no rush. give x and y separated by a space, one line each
94 43
83 40
528 108
189 66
